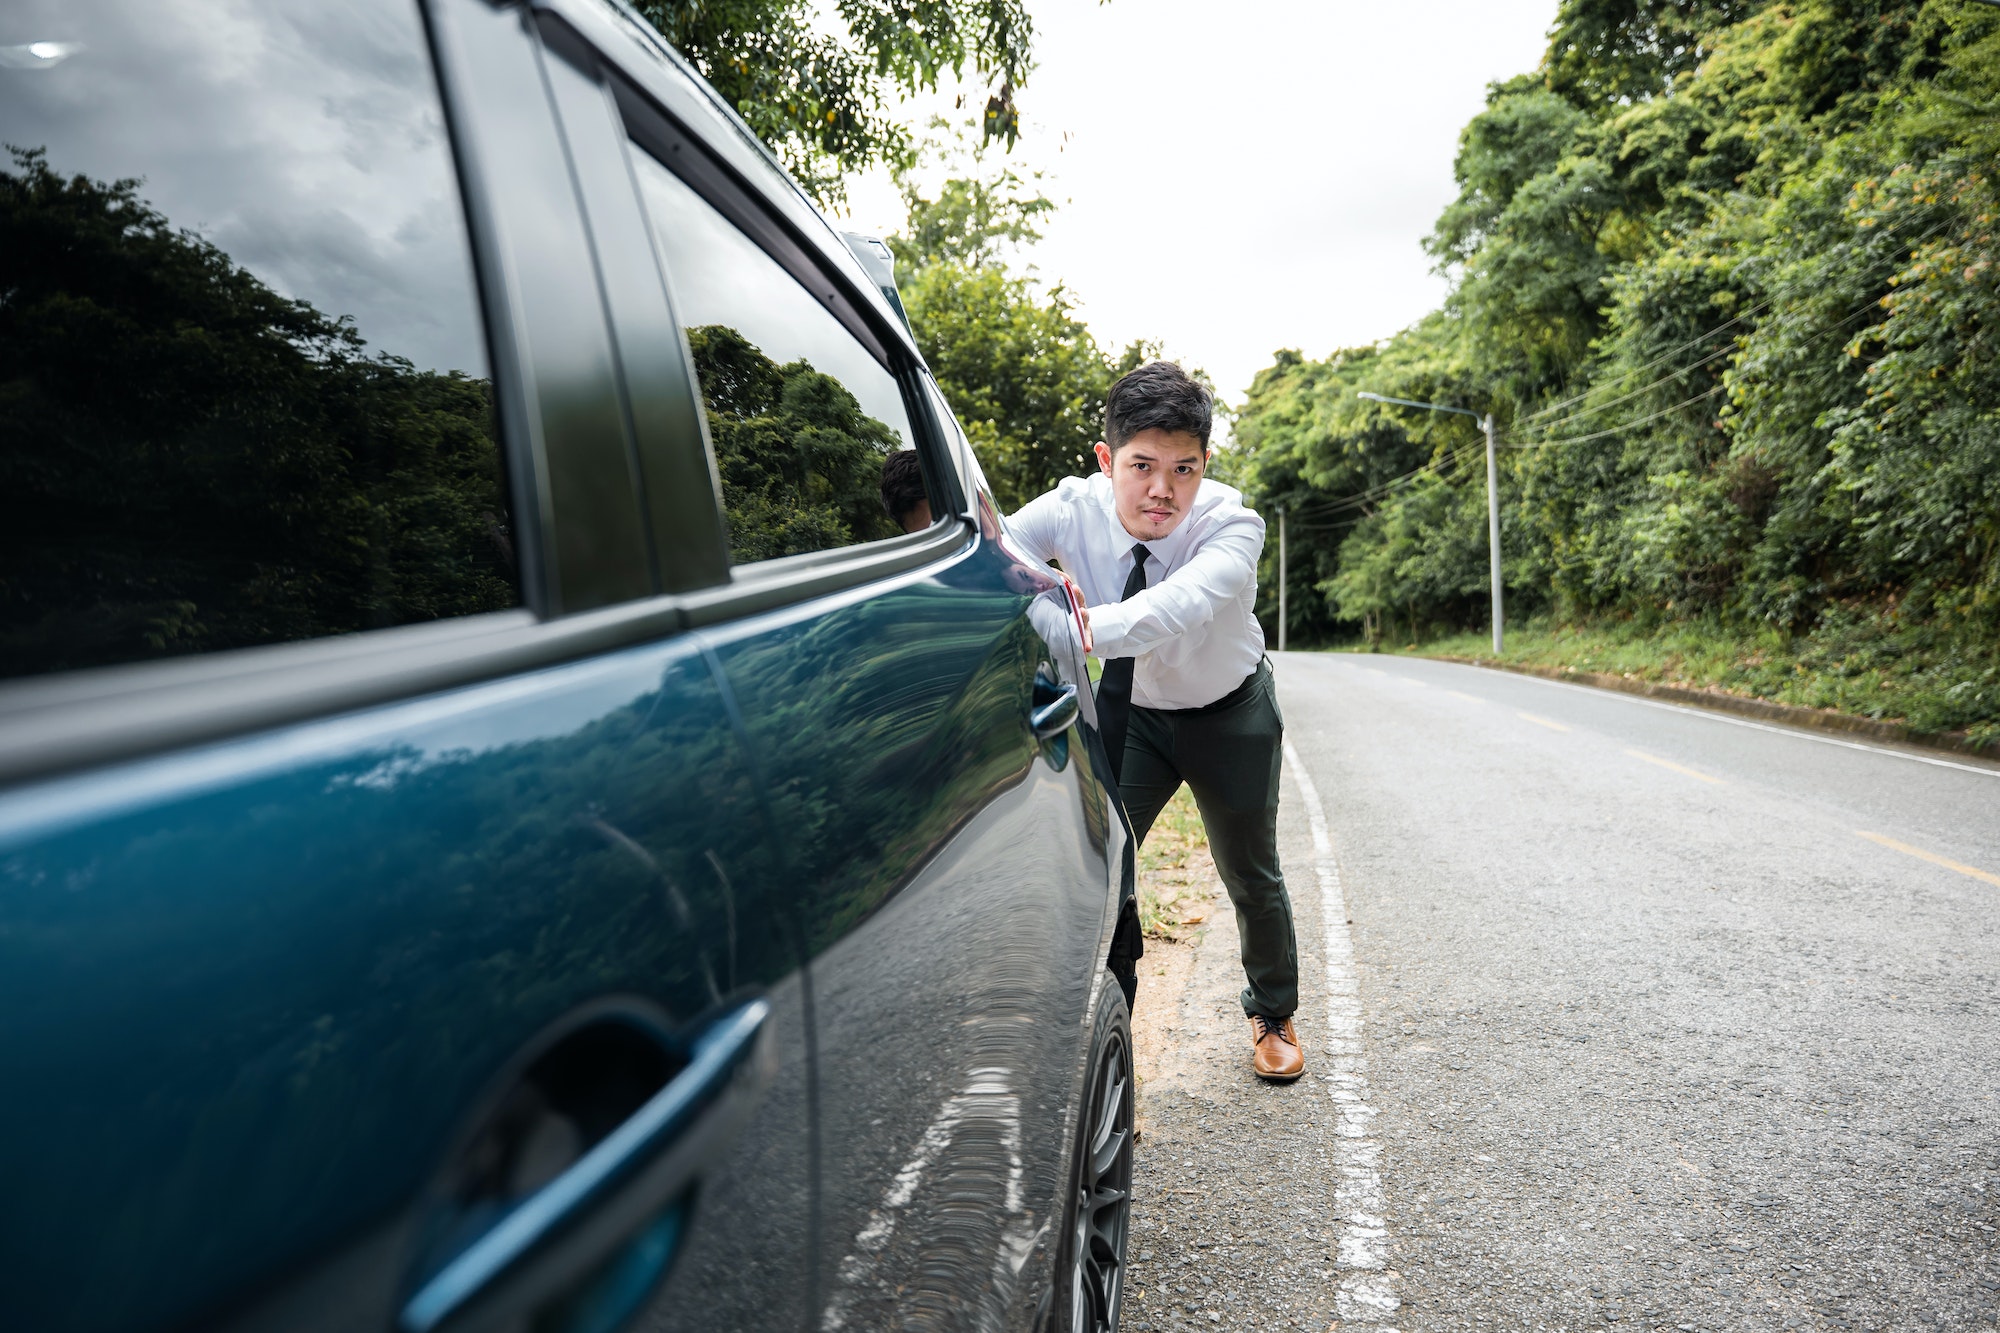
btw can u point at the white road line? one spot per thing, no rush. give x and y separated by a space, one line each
1367 1291
1793 732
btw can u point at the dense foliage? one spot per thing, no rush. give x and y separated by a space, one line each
1019 367
1724 273
824 100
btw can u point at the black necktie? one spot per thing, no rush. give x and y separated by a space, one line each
1114 684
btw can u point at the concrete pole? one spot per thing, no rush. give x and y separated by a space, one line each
1492 525
1282 580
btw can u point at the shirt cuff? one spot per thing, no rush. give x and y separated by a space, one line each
1109 624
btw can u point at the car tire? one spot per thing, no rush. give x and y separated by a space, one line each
1090 1280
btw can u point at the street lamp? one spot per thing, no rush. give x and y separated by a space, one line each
1492 489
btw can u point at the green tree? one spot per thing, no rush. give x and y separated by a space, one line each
1024 374
1724 271
824 101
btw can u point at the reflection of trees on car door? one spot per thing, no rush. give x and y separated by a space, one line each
952 888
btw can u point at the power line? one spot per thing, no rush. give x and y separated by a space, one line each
1667 355
1698 339
1643 389
1621 427
1833 328
1327 509
1381 489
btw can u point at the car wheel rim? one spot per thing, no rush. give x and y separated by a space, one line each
1104 1197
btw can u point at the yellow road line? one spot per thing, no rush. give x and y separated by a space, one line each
1542 722
1668 763
1932 857
1469 698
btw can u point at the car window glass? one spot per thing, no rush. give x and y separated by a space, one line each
802 417
246 393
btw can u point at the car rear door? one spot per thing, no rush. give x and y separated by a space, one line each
382 911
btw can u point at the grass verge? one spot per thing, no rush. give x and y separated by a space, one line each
1176 873
1927 679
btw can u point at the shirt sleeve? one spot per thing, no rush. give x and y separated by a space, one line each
1039 526
1186 599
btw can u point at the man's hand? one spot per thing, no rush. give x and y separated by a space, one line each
1082 611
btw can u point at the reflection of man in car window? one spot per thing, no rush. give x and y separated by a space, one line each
1168 563
903 493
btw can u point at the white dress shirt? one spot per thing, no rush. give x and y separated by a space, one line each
1193 631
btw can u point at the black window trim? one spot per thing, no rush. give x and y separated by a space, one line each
663 405
657 131
584 417
516 416
652 85
607 51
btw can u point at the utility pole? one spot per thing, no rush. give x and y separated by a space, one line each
1493 525
1281 578
1492 484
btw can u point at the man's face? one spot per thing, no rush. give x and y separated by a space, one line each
1153 480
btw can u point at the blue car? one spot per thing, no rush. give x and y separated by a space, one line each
507 820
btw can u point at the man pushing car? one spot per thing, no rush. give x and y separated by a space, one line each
1167 561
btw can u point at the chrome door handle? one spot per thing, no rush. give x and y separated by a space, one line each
564 1231
1056 716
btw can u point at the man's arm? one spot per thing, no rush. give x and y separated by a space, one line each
1039 526
1186 599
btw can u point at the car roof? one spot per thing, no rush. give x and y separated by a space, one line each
645 58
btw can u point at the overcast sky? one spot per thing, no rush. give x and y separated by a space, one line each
1239 178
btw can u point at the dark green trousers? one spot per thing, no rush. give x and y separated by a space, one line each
1229 754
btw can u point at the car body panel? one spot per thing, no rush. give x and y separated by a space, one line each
254 988
949 875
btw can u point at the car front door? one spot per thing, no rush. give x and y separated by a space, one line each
945 837
954 877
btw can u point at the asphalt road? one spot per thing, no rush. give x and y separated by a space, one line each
1621 1015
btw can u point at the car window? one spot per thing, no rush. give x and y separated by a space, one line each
802 417
246 393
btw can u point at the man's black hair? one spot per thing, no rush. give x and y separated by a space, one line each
903 483
1157 396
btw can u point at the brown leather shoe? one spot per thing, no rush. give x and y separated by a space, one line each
1277 1054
